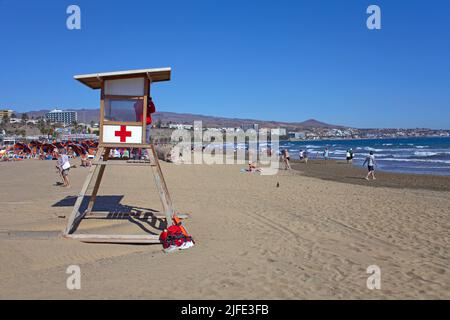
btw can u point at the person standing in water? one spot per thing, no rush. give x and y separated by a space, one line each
301 155
348 156
370 160
326 154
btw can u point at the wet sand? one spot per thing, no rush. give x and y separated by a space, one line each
341 171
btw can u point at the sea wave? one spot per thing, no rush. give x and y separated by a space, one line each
339 152
374 149
425 153
416 160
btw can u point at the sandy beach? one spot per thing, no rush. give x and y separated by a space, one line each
312 237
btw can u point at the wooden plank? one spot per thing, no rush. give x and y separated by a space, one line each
162 187
124 215
122 97
144 111
75 211
101 238
98 181
125 145
165 194
122 163
102 109
122 123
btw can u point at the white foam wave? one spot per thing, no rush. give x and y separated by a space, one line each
425 154
374 149
417 160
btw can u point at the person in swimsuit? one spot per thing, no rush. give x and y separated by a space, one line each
286 159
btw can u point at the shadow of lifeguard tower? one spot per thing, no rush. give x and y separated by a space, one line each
124 100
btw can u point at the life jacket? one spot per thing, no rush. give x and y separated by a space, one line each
174 235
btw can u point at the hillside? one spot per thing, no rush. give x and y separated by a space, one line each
88 115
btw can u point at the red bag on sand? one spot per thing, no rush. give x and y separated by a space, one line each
174 236
163 239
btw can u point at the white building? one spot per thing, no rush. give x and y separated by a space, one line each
278 131
5 113
60 116
297 135
180 126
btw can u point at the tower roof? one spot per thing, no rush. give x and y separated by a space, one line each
94 80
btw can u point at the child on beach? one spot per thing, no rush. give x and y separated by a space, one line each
370 160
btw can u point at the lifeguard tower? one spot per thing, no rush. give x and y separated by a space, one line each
124 99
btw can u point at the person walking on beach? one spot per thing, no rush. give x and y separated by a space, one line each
326 154
301 155
64 167
370 160
286 158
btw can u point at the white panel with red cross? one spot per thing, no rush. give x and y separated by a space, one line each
122 134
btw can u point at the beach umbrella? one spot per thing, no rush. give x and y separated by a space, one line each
77 148
22 147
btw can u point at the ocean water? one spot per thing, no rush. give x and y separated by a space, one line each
407 155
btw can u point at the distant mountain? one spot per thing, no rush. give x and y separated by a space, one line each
317 124
88 115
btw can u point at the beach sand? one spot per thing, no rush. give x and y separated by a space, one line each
341 171
311 237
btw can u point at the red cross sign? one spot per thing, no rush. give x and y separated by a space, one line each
123 133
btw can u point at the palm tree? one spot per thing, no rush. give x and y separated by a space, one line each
5 120
24 118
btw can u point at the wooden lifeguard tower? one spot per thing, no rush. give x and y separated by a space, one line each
122 125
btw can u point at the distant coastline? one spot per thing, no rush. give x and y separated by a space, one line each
358 139
416 155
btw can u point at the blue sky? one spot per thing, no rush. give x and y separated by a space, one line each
270 60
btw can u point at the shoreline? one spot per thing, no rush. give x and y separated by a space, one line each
340 171
358 139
